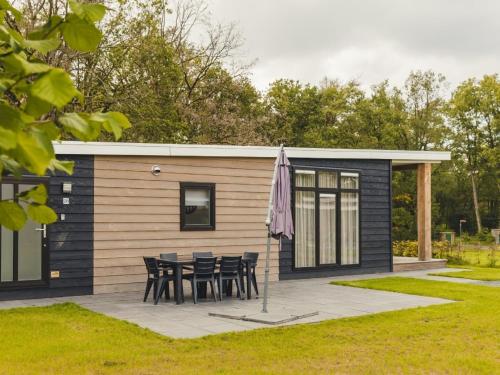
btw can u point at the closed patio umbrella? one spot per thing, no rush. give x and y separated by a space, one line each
279 215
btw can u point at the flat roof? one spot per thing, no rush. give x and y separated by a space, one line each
398 157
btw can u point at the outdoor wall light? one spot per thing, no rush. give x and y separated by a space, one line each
155 170
66 187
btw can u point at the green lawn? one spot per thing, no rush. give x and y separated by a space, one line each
455 338
474 273
478 257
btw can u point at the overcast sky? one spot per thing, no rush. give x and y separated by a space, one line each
366 40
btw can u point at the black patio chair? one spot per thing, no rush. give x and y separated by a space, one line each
229 270
203 272
166 288
252 256
202 254
154 278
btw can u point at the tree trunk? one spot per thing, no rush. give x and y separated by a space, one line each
476 204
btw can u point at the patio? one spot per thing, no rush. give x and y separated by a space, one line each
296 297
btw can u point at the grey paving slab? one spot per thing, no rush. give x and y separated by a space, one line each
290 297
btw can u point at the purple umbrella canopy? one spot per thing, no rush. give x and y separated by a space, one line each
279 214
281 222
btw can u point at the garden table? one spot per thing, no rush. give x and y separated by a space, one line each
179 265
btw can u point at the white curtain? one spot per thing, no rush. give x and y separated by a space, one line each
305 238
304 178
327 179
349 180
349 233
327 229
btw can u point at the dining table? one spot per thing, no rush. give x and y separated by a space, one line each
182 263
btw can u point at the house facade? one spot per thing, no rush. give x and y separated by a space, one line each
125 201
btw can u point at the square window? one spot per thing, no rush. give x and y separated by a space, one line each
327 179
197 206
349 180
305 178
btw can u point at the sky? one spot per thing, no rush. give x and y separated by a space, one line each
365 40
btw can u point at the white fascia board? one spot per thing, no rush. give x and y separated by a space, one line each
152 149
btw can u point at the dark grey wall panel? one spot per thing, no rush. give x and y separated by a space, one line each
70 241
375 215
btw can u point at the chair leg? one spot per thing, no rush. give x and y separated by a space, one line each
212 286
167 291
155 288
149 283
194 286
254 282
164 282
238 286
220 284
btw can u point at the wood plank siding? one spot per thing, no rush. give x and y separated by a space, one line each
137 214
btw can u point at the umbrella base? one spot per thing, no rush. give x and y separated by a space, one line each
270 318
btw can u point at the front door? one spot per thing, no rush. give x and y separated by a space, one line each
23 254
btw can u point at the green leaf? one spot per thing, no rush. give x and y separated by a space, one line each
14 62
6 83
38 194
113 122
10 164
80 34
65 166
12 118
79 127
49 128
36 107
49 30
12 216
90 12
54 87
41 213
43 45
35 150
4 4
7 139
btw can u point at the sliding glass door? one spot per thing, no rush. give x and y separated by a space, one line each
23 254
326 218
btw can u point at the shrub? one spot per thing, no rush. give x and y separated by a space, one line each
440 249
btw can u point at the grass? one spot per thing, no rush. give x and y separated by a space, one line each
482 258
473 273
454 338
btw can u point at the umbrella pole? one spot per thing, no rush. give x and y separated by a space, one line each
268 224
266 272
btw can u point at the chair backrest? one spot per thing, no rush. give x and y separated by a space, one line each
252 256
230 265
168 256
204 266
202 254
151 266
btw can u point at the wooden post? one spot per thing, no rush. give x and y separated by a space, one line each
424 211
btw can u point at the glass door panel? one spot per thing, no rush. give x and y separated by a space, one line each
327 228
21 252
305 232
29 248
6 241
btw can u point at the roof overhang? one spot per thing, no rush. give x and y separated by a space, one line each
398 157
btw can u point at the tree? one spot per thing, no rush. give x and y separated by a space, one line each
425 127
474 111
34 98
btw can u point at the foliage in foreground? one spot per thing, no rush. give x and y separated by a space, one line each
458 338
33 98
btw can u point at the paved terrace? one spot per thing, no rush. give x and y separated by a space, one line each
287 298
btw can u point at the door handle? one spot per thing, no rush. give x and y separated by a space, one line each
43 229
